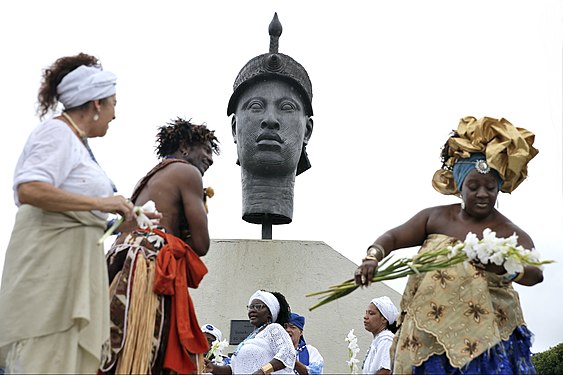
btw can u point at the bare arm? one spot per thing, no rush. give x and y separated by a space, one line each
300 368
217 369
194 209
276 365
45 196
411 233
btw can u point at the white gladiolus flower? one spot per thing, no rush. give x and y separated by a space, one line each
353 350
216 351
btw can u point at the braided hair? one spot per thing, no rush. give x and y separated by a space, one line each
180 133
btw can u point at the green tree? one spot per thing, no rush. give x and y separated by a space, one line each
549 362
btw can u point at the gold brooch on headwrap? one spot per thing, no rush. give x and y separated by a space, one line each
481 165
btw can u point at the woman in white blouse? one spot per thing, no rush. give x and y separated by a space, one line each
54 296
268 349
380 318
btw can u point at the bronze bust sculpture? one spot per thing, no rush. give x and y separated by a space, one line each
271 125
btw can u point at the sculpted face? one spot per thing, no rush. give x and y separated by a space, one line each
270 127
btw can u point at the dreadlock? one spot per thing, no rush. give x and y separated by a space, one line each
180 133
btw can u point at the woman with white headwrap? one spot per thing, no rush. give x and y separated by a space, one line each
380 319
464 319
54 297
268 349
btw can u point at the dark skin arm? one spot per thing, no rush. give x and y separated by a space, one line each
217 369
226 370
300 368
412 233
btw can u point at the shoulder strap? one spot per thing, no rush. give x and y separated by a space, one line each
143 182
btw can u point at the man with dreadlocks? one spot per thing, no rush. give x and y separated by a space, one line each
153 324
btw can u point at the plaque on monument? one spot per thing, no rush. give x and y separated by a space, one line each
240 329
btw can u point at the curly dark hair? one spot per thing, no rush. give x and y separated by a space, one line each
47 97
445 153
283 316
180 133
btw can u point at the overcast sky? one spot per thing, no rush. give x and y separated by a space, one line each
390 81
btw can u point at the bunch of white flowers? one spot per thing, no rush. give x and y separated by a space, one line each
500 251
353 350
217 348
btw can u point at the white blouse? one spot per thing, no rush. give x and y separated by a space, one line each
272 342
379 356
54 154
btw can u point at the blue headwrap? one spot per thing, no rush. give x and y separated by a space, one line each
477 161
297 320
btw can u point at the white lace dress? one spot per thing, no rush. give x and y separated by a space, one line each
272 342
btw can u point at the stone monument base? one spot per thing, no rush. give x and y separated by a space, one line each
237 268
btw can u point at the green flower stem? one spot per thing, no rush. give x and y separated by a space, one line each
110 231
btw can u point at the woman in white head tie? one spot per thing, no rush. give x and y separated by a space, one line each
380 319
54 296
268 349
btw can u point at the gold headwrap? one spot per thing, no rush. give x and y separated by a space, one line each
508 150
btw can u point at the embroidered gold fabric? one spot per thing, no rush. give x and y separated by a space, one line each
460 311
508 150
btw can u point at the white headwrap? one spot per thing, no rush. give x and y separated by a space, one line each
84 84
386 308
211 329
270 300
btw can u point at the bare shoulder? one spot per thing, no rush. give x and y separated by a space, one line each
181 173
506 228
444 211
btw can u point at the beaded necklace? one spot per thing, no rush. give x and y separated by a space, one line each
249 337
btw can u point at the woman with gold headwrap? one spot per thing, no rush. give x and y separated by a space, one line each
464 319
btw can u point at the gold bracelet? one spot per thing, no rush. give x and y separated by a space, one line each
374 250
369 257
519 277
267 368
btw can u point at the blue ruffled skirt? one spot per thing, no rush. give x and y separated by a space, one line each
512 356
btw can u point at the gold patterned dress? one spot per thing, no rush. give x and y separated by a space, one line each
459 314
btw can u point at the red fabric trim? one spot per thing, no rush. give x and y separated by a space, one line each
177 268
